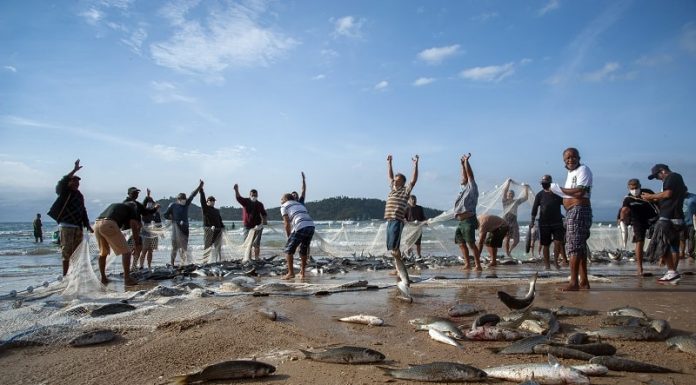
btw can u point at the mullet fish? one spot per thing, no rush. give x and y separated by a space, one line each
438 372
550 373
519 303
228 370
346 355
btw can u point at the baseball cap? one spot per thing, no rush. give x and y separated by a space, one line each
656 170
133 189
546 179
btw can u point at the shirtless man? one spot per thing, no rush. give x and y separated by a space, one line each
492 230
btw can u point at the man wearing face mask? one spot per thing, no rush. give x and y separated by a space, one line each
638 213
212 227
415 214
551 229
177 212
253 216
142 211
664 243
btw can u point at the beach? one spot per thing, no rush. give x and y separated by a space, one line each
185 335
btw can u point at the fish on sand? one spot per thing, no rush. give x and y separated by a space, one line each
94 337
363 319
519 303
438 372
346 355
228 370
547 373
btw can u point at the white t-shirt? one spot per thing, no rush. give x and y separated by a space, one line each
298 215
580 177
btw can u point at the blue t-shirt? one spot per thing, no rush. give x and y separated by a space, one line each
689 208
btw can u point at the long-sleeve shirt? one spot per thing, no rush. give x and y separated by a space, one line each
69 207
548 205
252 212
211 215
178 213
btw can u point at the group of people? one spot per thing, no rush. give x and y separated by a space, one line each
663 212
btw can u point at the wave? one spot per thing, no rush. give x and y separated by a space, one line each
30 251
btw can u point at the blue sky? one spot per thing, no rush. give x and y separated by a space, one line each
160 94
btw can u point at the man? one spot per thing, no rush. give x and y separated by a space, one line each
212 227
576 200
395 215
117 217
70 213
149 232
415 214
687 236
253 216
299 228
551 229
300 198
177 212
665 239
38 229
142 211
638 213
465 212
510 205
492 230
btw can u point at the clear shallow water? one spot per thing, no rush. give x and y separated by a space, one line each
24 263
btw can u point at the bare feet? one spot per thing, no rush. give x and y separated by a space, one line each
479 268
492 264
302 276
467 267
570 288
104 280
585 286
288 276
130 282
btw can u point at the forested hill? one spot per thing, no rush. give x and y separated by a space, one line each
331 209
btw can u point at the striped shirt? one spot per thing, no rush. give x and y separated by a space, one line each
297 214
397 200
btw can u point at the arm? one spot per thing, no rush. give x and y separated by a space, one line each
286 222
482 238
506 188
237 195
264 214
75 169
135 229
202 196
147 199
414 178
657 197
535 208
390 172
304 188
194 193
467 172
168 213
576 192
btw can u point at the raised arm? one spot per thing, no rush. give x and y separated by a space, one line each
75 169
414 178
194 192
467 172
304 188
203 204
390 171
506 188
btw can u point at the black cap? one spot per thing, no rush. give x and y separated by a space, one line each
656 170
133 190
211 198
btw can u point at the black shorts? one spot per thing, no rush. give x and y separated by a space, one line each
639 231
549 233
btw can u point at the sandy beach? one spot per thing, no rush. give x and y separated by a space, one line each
230 327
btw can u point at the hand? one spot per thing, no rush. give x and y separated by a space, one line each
389 158
415 159
646 196
531 225
258 227
200 185
302 172
77 166
524 185
465 157
236 187
148 191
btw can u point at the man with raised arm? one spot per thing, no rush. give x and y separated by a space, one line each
212 227
253 216
465 212
70 213
510 205
301 197
395 215
177 212
299 228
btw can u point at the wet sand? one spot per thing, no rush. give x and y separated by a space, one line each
234 329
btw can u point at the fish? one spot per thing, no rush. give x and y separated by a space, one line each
495 333
533 326
94 337
268 313
228 370
351 355
463 309
592 370
404 289
624 233
628 310
548 373
401 270
629 333
562 352
521 303
363 319
112 308
564 311
438 372
485 319
686 344
625 320
445 326
626 365
442 337
576 338
274 286
525 345
595 348
426 320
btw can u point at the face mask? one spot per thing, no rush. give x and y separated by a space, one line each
150 205
545 186
182 201
634 192
253 199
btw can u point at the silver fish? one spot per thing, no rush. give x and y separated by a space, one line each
525 345
576 338
519 303
564 311
426 320
626 365
444 326
592 370
463 309
228 370
551 373
494 333
346 355
628 310
686 344
628 333
562 352
93 338
485 319
442 337
363 319
595 348
438 372
625 320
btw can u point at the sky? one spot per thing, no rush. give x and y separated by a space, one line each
160 94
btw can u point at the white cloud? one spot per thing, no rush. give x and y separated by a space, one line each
484 17
436 55
319 77
92 16
232 37
10 68
552 5
423 81
490 73
381 86
20 175
165 92
608 72
176 11
225 157
348 26
136 39
688 38
654 60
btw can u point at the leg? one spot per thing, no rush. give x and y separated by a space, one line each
126 260
639 257
508 249
547 264
477 254
291 268
584 281
574 271
465 255
418 250
303 265
493 251
102 269
149 259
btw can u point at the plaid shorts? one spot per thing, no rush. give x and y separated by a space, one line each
578 223
302 238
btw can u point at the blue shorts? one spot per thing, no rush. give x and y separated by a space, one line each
394 228
302 238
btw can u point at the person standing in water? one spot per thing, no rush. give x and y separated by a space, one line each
177 212
510 205
465 212
212 227
253 217
38 229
